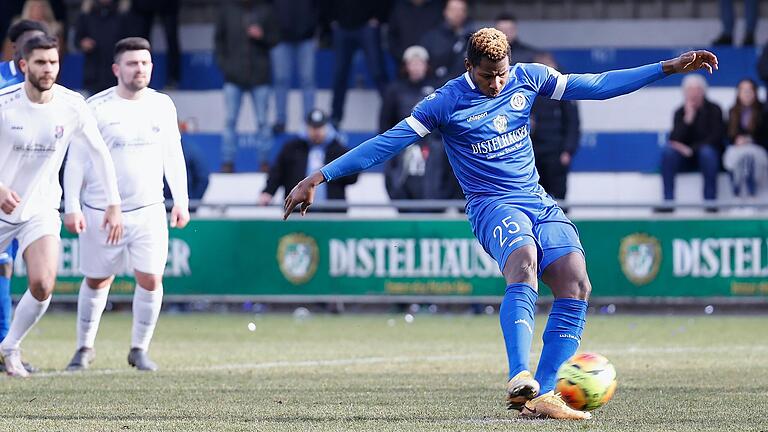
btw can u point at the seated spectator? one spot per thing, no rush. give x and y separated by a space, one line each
696 140
447 44
518 51
555 136
410 21
745 158
99 26
404 174
304 155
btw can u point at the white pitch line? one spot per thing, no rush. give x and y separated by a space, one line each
271 365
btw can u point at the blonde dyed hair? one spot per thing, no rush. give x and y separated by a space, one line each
489 43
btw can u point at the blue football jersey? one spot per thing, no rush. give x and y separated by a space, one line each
487 139
10 74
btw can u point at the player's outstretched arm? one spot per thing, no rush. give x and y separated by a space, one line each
614 83
374 151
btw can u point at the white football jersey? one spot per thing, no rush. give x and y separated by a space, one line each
142 136
34 138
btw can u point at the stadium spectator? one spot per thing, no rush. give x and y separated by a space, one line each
42 11
745 158
405 173
305 154
143 13
519 52
355 25
441 183
695 141
245 32
555 135
727 20
297 23
13 8
447 43
762 65
99 26
410 21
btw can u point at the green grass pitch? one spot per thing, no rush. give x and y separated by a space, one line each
376 372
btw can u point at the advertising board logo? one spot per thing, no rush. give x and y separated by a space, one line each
297 256
640 257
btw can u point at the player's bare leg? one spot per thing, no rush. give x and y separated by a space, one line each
567 277
516 317
42 259
91 301
147 300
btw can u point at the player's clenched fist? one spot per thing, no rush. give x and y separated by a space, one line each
9 200
179 217
74 222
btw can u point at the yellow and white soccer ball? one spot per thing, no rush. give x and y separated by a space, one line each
586 381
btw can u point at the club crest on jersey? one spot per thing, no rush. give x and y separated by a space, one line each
155 128
59 132
500 123
518 101
430 96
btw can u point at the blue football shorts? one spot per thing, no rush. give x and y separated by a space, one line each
9 254
503 224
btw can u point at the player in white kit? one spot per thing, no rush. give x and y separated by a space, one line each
39 120
140 128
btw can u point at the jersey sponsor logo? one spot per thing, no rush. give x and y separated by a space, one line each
59 132
640 257
477 117
510 141
297 256
15 127
500 123
518 101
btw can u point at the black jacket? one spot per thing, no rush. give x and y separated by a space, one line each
446 51
521 53
555 126
243 60
106 26
291 167
297 20
353 14
409 23
707 128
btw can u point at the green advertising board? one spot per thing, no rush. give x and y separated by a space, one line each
636 258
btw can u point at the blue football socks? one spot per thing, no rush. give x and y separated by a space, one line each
562 336
516 315
5 306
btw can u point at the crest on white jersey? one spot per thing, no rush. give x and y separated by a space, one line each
500 123
518 101
59 132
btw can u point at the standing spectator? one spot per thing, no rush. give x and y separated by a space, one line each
727 19
745 158
297 23
39 10
245 33
555 135
306 154
448 43
355 25
519 52
410 21
144 12
696 140
404 174
99 26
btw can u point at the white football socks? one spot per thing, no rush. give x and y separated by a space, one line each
90 306
146 309
28 313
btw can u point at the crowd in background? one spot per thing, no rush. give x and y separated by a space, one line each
260 44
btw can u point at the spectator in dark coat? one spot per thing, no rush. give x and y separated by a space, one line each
356 25
410 21
99 26
447 44
518 51
245 33
297 24
143 13
696 140
307 154
555 135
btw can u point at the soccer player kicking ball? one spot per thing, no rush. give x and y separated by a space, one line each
484 118
141 130
39 120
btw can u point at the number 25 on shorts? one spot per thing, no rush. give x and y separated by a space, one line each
511 227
